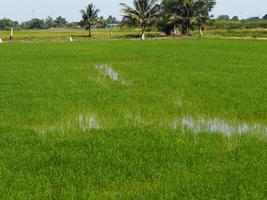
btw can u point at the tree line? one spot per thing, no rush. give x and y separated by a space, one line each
35 23
178 17
49 22
181 16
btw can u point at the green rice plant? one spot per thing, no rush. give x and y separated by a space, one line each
129 119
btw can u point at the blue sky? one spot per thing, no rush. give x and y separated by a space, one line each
25 9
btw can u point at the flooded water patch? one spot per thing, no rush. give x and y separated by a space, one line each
87 122
134 119
216 125
81 122
109 72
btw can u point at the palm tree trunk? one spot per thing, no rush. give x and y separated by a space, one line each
143 31
11 34
200 31
188 30
89 31
176 30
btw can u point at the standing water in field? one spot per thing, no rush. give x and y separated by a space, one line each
83 122
217 126
87 122
109 72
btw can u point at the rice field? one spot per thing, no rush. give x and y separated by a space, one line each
56 35
78 35
130 119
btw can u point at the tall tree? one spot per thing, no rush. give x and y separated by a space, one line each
202 10
6 24
235 18
188 13
49 21
223 17
60 22
171 16
142 13
34 24
89 17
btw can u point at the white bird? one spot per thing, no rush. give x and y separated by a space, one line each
1 41
71 40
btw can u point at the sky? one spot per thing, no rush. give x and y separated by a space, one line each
22 10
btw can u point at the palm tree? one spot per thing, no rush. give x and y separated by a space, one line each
188 13
203 7
89 17
171 15
143 12
180 12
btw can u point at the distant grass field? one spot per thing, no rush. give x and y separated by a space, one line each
79 35
248 33
62 35
168 119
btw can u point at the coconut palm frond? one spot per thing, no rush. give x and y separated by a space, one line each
142 12
89 17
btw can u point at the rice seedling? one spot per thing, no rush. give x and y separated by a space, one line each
127 119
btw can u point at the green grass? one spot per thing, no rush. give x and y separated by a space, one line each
135 163
246 33
53 94
80 35
62 35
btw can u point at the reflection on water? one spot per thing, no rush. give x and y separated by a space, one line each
109 72
217 126
82 122
86 122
